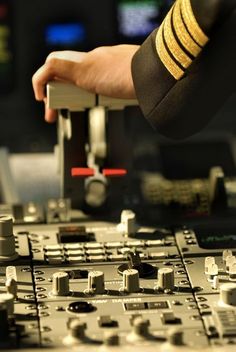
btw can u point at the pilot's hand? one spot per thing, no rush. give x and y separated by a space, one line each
104 70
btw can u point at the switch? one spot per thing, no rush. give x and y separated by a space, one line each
4 327
169 318
111 338
96 282
76 334
105 321
175 337
212 271
208 261
134 262
60 284
140 330
166 279
131 281
7 239
11 272
8 300
128 222
230 260
232 272
228 294
226 253
11 287
135 306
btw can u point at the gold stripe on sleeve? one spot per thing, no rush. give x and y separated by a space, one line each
182 33
172 44
192 24
165 57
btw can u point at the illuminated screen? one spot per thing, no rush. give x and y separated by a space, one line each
65 34
137 19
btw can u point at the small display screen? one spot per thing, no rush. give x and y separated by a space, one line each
138 18
65 34
215 241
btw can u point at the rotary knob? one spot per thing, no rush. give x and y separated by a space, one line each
96 283
166 279
7 239
60 284
228 294
131 281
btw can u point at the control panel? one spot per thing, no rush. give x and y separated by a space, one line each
103 286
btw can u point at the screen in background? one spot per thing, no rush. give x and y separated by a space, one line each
6 48
65 34
138 18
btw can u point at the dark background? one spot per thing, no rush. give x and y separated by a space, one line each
26 41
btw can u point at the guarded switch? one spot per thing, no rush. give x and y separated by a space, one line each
131 281
60 284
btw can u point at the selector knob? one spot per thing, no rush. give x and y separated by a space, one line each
131 280
60 284
228 294
7 239
166 279
96 282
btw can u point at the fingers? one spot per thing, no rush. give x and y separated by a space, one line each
62 65
50 114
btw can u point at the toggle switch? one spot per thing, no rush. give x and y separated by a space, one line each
11 287
226 253
96 283
60 284
134 262
212 271
128 222
208 262
230 260
232 272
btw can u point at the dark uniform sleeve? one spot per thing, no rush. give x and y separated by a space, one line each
186 69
